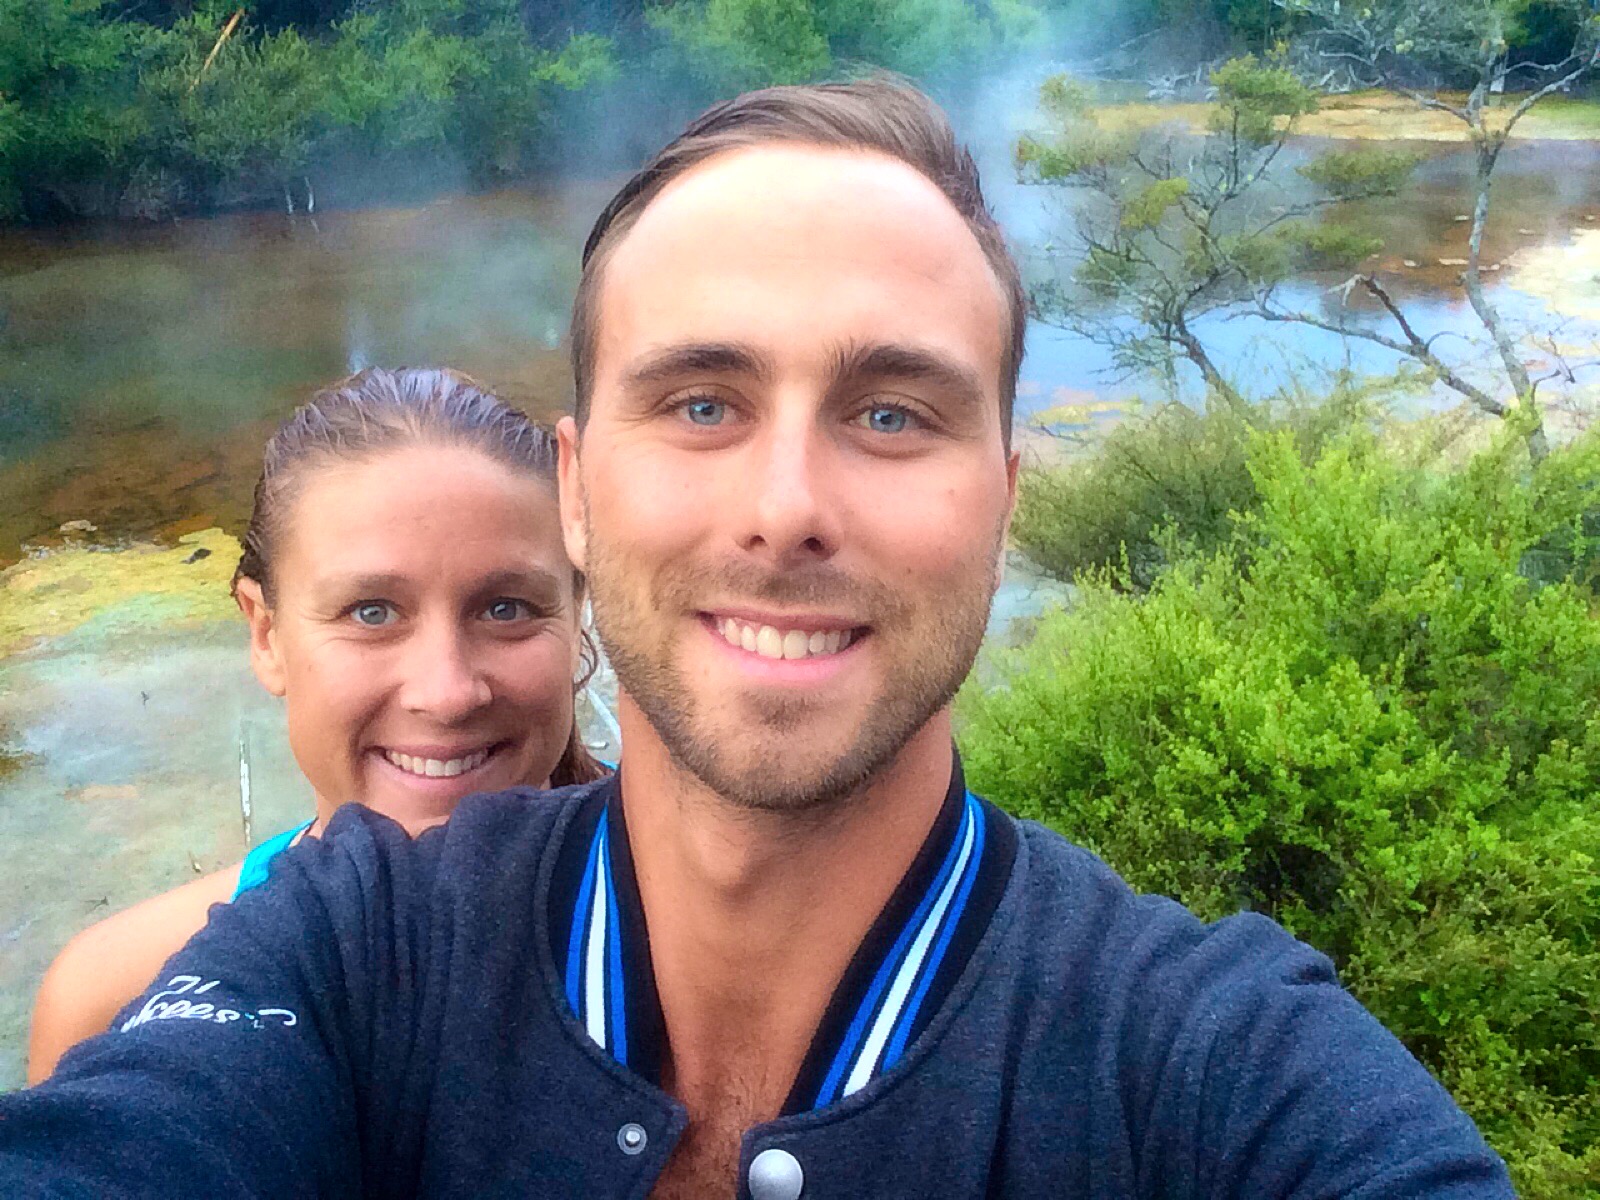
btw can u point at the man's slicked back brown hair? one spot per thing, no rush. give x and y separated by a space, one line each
882 116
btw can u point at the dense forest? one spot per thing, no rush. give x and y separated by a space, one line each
148 108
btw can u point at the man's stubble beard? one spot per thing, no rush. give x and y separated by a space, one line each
748 754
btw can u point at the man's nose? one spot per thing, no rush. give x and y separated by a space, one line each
443 679
792 505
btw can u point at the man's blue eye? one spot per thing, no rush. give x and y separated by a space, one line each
887 420
706 412
372 613
507 610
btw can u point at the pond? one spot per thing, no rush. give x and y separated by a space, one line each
142 368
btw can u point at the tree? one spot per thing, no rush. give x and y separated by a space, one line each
1420 47
726 46
1172 228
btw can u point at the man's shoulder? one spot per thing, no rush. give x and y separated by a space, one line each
515 818
1227 1050
491 834
1079 919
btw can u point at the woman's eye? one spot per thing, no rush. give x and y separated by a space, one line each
373 613
705 412
508 610
885 418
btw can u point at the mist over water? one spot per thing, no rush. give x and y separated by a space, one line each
142 366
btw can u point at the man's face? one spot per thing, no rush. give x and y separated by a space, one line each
792 491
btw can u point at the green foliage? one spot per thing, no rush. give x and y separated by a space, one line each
728 45
738 44
1329 245
1365 171
1063 98
1146 208
1357 715
103 113
253 112
393 87
66 74
1173 226
1448 43
1173 478
1078 150
1255 102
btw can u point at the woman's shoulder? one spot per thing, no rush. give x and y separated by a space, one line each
108 964
182 908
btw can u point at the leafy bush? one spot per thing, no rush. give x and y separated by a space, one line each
103 113
66 78
1359 717
725 46
252 114
1172 472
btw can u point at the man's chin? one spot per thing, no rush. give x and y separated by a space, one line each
795 769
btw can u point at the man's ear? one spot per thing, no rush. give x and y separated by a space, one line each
265 658
1013 465
570 485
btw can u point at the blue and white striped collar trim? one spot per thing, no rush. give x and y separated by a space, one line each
897 980
594 950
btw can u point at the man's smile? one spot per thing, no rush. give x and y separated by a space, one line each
788 638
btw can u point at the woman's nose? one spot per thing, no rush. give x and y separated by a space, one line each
443 680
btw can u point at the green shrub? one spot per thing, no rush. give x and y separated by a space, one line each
1174 472
1358 716
101 112
726 46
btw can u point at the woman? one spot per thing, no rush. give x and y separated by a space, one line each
409 597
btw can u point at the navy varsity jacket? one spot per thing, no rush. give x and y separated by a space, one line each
472 1014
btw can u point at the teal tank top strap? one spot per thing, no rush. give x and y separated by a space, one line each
254 871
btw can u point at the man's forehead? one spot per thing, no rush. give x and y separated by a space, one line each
754 210
798 191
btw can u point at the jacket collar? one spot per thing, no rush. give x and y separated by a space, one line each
897 980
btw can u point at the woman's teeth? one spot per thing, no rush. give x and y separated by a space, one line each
435 768
783 643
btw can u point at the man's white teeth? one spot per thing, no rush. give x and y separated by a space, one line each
436 768
783 643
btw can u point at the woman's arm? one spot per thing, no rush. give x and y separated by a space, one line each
104 968
241 1071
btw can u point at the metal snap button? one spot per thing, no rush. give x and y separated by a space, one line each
632 1139
776 1175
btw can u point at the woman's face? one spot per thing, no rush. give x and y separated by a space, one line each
423 633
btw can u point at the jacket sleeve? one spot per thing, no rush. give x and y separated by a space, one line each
233 1076
1275 1082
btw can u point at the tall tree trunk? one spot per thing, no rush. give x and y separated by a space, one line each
1488 144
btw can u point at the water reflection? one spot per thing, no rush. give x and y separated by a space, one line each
141 367
133 356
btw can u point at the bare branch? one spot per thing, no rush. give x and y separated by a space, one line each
1413 347
1556 85
1377 291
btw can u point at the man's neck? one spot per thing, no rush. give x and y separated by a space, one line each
754 917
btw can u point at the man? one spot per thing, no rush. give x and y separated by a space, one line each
784 953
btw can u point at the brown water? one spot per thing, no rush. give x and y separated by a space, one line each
142 368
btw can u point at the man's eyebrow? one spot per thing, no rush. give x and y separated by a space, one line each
892 361
696 358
